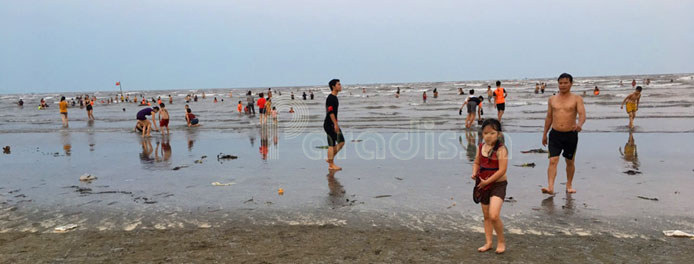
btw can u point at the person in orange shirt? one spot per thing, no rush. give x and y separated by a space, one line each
500 97
240 107
63 110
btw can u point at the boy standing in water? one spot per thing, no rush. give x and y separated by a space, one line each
63 110
632 102
163 119
561 117
335 139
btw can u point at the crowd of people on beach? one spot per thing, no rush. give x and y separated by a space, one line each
565 118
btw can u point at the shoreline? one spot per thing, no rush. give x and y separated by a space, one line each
320 244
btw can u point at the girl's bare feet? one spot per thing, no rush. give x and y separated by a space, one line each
500 248
485 248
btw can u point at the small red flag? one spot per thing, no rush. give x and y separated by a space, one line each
117 83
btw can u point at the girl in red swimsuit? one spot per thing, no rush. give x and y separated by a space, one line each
489 173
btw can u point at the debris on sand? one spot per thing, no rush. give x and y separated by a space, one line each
222 184
530 165
647 198
398 178
144 200
6 149
537 150
322 147
87 177
510 200
180 167
383 196
357 140
65 228
632 172
200 160
678 233
221 156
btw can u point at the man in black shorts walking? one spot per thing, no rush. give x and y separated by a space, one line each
561 117
335 139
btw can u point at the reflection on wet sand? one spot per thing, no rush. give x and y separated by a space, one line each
191 136
65 140
630 154
146 154
263 142
165 150
548 205
336 196
471 149
265 150
90 138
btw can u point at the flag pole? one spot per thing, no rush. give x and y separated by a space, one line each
121 89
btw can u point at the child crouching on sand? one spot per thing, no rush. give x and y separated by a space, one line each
489 173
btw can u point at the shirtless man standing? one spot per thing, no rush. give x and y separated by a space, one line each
561 117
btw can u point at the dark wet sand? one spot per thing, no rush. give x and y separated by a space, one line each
326 244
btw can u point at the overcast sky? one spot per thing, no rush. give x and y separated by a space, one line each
50 46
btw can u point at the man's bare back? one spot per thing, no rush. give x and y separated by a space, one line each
633 97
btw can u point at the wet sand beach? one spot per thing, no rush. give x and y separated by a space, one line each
404 194
410 200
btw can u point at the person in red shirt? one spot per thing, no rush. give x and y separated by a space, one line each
261 108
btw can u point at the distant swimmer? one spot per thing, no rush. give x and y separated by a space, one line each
542 87
424 97
537 88
632 102
596 91
490 93
562 111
